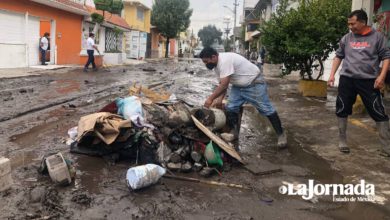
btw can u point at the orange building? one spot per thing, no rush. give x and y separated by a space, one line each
23 23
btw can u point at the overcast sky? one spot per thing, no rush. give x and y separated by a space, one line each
213 12
207 12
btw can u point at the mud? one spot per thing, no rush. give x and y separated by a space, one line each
37 111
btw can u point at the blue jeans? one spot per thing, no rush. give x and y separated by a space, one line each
255 94
43 55
91 59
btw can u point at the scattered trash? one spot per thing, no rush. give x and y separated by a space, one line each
149 69
72 132
143 176
228 137
155 96
131 108
111 108
5 174
227 148
207 182
266 200
58 169
163 153
102 127
207 172
213 155
213 117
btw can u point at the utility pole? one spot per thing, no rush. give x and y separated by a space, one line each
235 4
226 20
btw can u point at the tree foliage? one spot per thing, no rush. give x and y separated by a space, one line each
303 38
209 34
171 17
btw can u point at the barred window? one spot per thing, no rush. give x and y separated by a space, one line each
113 41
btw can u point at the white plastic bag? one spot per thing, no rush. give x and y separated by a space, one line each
142 176
130 108
72 132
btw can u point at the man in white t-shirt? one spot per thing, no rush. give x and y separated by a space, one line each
248 85
91 47
43 47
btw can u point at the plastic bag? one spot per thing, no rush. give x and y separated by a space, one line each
72 132
143 176
130 108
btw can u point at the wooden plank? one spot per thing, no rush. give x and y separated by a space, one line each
262 167
222 144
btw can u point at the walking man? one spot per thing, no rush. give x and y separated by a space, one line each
248 85
362 51
43 47
91 47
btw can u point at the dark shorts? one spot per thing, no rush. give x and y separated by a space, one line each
349 88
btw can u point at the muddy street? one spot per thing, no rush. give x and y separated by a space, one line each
38 110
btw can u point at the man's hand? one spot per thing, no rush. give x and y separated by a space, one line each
331 80
217 103
379 83
208 102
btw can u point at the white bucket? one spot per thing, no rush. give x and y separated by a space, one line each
220 118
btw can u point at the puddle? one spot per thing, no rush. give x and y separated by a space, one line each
320 169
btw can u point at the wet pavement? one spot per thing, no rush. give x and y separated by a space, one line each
37 111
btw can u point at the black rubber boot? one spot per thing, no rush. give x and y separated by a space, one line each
343 147
232 122
277 125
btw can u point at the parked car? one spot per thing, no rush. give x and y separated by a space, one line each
197 51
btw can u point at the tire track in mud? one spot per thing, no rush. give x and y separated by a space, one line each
61 101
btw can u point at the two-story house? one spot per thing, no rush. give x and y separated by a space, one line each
138 41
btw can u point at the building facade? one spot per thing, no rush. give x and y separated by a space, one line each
138 40
23 23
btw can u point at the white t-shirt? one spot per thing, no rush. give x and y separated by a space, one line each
44 43
90 43
241 70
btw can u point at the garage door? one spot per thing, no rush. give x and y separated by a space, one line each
16 41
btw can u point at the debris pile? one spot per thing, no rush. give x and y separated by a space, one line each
153 126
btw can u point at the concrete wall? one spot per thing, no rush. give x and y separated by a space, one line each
130 15
113 58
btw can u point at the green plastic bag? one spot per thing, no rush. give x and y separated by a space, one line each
213 154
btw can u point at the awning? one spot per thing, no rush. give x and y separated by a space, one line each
255 33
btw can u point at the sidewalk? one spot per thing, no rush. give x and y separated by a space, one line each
32 70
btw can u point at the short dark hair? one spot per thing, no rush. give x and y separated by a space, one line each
208 52
91 34
46 34
360 14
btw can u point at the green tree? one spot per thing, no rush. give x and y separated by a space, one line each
171 17
303 38
209 34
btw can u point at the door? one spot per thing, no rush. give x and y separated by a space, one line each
133 39
19 40
143 38
12 43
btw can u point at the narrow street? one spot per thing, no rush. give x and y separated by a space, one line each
38 110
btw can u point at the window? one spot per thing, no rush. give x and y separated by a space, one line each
251 27
113 41
140 14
